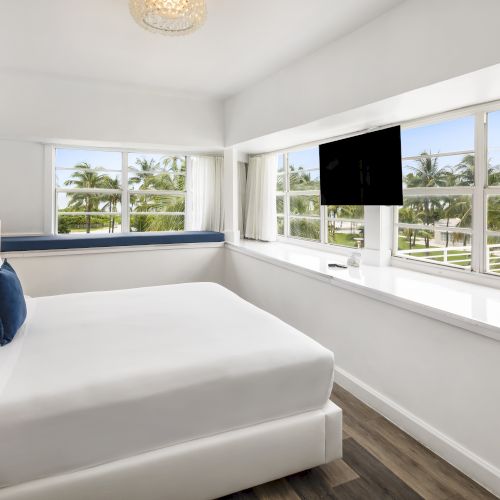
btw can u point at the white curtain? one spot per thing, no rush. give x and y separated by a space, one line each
242 187
204 184
261 198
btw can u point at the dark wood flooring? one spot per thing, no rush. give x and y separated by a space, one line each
380 461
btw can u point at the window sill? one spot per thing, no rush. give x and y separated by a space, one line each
473 307
456 273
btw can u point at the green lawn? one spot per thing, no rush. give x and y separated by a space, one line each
404 245
344 239
92 230
452 254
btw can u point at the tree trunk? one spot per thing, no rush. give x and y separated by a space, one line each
87 217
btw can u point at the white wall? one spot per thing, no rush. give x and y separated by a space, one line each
44 108
416 44
438 382
21 187
113 269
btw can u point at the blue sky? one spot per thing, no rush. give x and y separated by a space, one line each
307 158
110 160
442 137
494 129
68 158
494 137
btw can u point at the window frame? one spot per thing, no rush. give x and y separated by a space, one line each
52 212
479 272
322 217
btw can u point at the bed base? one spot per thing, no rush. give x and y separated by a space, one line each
204 468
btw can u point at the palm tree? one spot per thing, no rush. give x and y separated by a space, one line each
144 168
144 173
493 174
464 171
167 175
154 204
85 177
172 176
112 199
427 173
305 206
457 207
494 213
409 216
333 211
175 164
300 179
346 212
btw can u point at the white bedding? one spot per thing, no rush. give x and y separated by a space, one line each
96 377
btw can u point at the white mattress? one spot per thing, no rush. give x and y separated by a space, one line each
101 376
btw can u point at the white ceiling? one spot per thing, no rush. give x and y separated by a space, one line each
242 41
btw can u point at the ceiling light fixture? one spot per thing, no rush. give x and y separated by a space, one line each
169 17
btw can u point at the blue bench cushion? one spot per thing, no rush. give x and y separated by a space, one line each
63 242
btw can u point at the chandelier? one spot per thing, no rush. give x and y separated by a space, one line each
169 17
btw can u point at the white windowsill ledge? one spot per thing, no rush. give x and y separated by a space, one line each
473 307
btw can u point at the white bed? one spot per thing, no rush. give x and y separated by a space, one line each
179 391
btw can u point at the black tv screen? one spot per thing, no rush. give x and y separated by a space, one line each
362 170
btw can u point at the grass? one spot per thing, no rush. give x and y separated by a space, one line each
430 252
344 239
92 230
404 245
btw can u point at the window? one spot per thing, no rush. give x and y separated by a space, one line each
156 197
449 193
492 193
435 221
299 214
111 192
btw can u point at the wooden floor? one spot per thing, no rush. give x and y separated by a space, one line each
379 462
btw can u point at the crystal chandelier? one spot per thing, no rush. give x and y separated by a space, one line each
169 17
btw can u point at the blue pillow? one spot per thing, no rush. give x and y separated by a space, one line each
12 303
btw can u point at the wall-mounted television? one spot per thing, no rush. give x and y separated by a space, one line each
362 170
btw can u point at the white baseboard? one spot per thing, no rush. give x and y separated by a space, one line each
460 457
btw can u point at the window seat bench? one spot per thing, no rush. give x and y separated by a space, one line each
65 242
